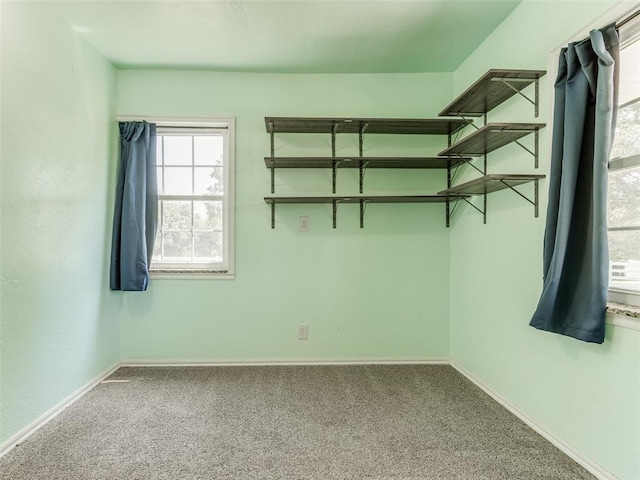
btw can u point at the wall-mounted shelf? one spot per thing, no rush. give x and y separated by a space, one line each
493 183
369 162
394 126
363 200
361 163
493 88
360 126
493 136
490 183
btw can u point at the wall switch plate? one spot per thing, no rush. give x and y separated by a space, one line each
303 331
304 224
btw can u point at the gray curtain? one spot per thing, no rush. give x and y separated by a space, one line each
576 257
136 208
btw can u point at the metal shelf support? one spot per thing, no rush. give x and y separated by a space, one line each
509 81
533 153
455 207
273 215
363 165
272 155
535 202
448 211
363 208
334 130
363 168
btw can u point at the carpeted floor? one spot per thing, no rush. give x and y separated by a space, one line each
287 422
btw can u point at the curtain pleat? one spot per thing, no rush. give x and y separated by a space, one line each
576 259
136 208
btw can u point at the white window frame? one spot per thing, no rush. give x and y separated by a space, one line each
618 295
628 34
226 269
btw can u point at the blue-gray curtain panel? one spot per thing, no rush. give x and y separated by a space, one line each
576 256
135 217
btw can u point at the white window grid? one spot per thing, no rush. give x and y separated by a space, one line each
217 266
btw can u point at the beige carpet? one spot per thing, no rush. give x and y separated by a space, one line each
287 422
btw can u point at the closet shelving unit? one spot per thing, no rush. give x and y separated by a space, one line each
361 127
492 89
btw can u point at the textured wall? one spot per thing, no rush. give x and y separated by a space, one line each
59 329
587 394
380 292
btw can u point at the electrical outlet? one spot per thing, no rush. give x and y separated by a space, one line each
304 224
303 331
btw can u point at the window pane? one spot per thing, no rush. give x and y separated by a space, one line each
159 150
177 150
624 198
624 252
629 72
207 215
177 247
208 246
177 181
625 140
157 248
176 216
208 149
209 181
160 186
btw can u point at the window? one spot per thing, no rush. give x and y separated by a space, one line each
195 211
624 175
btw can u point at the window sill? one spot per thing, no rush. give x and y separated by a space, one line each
623 309
622 315
191 275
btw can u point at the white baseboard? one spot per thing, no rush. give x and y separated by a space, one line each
575 454
282 361
50 414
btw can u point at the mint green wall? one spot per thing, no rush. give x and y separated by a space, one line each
376 293
587 394
59 328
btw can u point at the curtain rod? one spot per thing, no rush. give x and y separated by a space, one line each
623 22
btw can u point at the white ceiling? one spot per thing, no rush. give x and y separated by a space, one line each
294 36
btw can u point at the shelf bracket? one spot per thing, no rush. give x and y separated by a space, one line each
448 207
273 178
470 122
334 174
483 212
363 168
451 211
335 212
534 153
334 130
272 155
363 208
273 215
361 138
476 168
508 82
535 202
272 139
455 207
